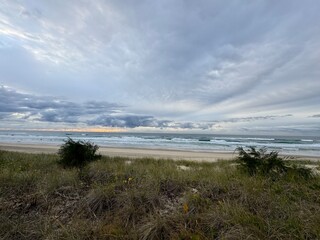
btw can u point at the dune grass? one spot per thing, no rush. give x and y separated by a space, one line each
119 198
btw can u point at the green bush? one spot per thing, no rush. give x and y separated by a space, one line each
261 162
77 153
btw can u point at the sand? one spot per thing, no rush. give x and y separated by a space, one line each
138 152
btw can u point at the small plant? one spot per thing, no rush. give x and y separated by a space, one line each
77 153
259 161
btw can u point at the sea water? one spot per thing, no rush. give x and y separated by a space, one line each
306 146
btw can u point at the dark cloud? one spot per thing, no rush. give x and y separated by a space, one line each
134 121
49 109
127 121
58 116
315 116
194 125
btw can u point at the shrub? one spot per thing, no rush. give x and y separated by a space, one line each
77 153
259 161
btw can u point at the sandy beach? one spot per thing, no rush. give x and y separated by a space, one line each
138 152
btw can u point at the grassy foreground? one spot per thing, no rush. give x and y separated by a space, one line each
117 198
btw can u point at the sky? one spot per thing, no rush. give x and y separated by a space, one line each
225 67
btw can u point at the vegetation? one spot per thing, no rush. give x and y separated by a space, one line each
119 198
269 164
77 153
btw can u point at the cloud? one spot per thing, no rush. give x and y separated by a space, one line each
202 51
135 121
315 116
257 118
127 121
19 105
189 64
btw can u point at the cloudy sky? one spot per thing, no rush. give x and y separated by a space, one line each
238 66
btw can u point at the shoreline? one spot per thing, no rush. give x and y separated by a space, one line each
129 152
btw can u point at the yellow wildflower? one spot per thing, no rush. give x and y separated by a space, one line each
185 208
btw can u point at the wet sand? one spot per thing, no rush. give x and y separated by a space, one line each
138 152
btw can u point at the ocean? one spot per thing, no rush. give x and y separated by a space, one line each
306 146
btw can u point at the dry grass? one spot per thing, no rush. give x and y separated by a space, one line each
151 199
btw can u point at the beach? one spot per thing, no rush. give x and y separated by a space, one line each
198 155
